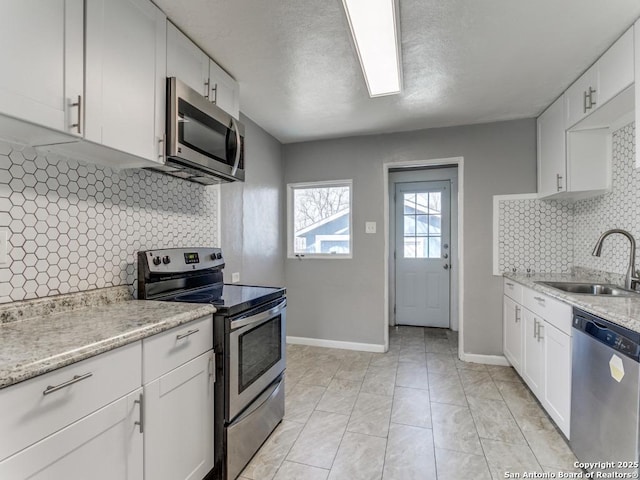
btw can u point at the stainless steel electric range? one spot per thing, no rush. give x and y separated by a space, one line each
249 344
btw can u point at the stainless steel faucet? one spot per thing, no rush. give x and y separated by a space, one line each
630 280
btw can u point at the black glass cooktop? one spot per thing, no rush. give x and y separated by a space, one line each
230 299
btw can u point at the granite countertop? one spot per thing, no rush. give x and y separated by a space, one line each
623 311
38 336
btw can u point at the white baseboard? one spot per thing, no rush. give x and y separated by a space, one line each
486 359
319 342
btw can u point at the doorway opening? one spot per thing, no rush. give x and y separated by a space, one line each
423 232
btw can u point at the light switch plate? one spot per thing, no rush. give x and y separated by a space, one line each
235 277
370 227
4 241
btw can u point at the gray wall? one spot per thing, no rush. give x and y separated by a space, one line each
344 299
252 213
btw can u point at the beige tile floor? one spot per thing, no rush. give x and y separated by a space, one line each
414 413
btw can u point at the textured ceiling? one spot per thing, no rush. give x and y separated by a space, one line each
464 61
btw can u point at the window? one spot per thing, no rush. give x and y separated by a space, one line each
319 219
422 224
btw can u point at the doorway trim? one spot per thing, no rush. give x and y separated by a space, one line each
438 162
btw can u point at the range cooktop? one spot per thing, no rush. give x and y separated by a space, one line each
230 299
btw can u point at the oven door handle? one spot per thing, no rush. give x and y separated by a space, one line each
259 317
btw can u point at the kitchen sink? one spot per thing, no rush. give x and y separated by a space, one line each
604 289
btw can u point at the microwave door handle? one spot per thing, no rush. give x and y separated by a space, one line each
238 139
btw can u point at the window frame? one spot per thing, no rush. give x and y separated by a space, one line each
291 187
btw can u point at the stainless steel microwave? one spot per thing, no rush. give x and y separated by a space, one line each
204 144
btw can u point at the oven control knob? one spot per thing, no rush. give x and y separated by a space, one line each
166 260
156 260
218 255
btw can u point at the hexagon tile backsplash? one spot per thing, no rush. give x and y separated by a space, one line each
74 226
554 236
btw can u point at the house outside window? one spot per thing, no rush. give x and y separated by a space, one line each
319 219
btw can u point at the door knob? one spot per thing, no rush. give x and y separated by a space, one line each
446 266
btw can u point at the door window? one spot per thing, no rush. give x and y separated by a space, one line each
422 224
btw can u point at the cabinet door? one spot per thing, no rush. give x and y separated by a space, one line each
578 102
105 445
125 75
636 35
557 375
178 420
615 68
552 163
513 333
533 358
42 61
186 61
225 91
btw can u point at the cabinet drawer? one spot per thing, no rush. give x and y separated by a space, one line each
513 290
554 311
168 350
30 414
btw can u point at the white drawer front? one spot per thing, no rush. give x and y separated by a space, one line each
554 311
30 415
513 290
168 350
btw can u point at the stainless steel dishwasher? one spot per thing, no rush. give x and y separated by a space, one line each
605 398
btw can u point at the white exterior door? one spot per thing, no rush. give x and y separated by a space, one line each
423 249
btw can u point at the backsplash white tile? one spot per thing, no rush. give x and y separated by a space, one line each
555 236
619 208
534 235
75 226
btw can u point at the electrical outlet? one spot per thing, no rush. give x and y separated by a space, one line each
370 227
4 249
235 277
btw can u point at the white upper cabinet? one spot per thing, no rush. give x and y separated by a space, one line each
225 91
615 68
582 97
42 62
125 76
186 61
552 160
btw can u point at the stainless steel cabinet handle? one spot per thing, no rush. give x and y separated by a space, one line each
206 89
517 314
559 182
540 325
584 102
510 284
215 94
140 402
592 102
535 328
161 147
75 379
540 299
78 125
185 335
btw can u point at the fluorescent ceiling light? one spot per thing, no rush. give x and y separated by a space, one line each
375 33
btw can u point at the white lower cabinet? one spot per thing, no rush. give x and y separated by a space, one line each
557 375
539 348
178 420
105 445
513 333
533 369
